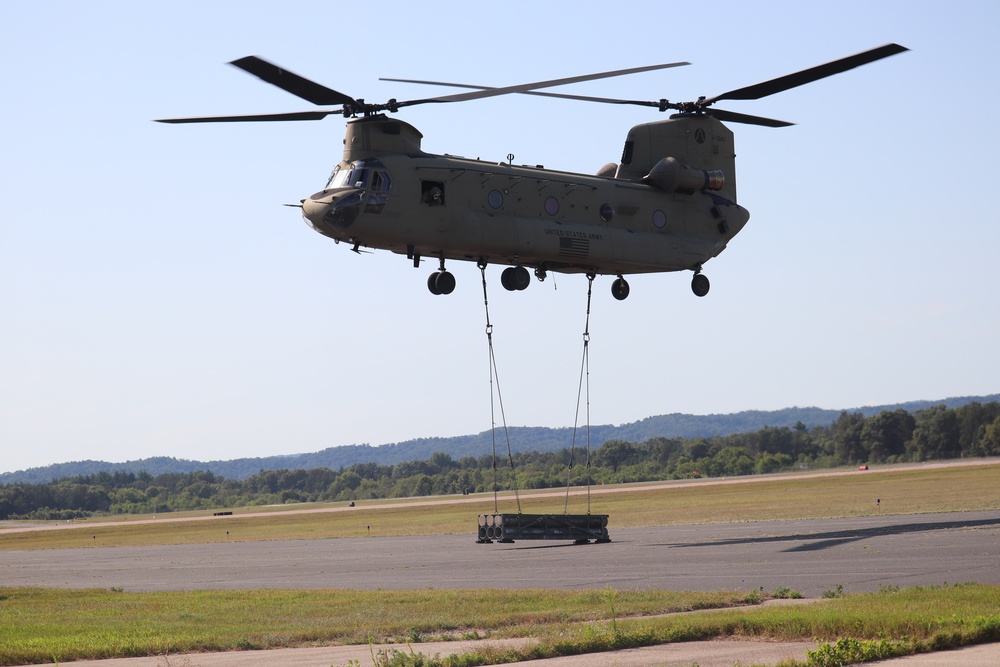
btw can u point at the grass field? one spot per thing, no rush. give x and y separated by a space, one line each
45 625
852 493
92 623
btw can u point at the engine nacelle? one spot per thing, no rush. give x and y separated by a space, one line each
672 175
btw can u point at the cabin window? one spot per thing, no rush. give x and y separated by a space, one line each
432 193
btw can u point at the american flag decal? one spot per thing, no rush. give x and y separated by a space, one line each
569 247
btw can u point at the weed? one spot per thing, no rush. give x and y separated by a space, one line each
837 592
609 596
786 593
849 651
394 658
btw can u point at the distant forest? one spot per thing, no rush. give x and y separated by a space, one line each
523 439
890 436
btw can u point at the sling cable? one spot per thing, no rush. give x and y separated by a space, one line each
506 528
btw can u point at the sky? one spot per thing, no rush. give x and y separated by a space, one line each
156 298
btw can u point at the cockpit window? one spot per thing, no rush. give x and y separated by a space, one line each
351 177
333 177
361 174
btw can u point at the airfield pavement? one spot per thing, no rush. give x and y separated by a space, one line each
810 556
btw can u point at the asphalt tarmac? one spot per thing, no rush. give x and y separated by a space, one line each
809 556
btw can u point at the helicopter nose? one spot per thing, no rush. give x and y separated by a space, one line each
331 212
314 208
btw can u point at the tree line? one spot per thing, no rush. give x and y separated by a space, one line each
896 436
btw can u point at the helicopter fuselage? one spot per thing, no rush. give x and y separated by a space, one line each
395 198
668 205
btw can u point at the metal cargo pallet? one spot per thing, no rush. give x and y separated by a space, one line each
580 528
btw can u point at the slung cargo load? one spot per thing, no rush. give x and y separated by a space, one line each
579 528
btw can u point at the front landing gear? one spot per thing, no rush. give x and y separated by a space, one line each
700 284
515 278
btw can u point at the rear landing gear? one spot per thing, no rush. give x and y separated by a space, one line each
620 289
700 284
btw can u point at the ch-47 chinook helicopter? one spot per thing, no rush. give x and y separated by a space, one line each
669 205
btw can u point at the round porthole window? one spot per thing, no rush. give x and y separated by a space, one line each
659 219
607 212
551 205
495 198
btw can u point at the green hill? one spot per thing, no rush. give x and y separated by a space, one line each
523 439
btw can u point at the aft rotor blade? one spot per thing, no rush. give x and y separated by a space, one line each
293 83
479 93
662 105
765 88
721 114
297 115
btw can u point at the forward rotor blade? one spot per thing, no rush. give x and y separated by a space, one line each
480 92
564 96
765 88
733 117
293 83
297 115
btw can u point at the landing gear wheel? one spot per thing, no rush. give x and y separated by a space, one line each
620 289
445 282
521 278
505 279
441 282
515 278
700 285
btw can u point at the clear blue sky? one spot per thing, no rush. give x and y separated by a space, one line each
157 299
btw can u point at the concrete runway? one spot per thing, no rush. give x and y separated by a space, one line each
810 556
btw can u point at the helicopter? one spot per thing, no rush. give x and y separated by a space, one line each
668 205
